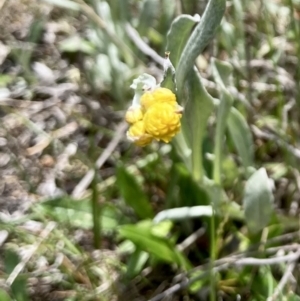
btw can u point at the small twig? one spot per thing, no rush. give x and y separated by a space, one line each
266 135
87 179
267 261
20 266
283 281
293 257
64 131
141 45
190 240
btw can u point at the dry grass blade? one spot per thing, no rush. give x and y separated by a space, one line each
20 266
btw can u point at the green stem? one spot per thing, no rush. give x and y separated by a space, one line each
96 212
297 36
212 256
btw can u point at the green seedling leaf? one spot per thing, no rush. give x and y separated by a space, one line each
133 193
162 229
69 203
136 262
77 213
161 248
77 44
241 136
258 200
4 296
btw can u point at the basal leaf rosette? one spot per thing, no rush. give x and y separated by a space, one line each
154 113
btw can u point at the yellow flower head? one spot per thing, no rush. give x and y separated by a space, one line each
134 114
154 114
138 135
162 121
159 95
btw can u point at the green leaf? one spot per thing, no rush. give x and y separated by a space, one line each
162 248
199 38
75 44
198 108
241 136
133 193
4 296
293 297
258 200
136 262
148 15
77 213
178 35
224 71
220 73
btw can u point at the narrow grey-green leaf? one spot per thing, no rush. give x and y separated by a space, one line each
199 38
241 136
178 35
258 200
224 71
147 16
198 108
136 262
133 193
76 43
223 111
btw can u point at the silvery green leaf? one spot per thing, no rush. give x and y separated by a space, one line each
241 136
199 38
178 35
220 73
258 200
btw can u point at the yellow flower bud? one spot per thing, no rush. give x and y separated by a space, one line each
162 121
134 114
138 135
159 95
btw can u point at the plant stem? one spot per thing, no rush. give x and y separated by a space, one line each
96 212
297 36
212 256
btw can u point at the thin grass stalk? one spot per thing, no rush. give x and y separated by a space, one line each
96 213
295 29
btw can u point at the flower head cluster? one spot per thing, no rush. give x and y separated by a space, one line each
154 114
